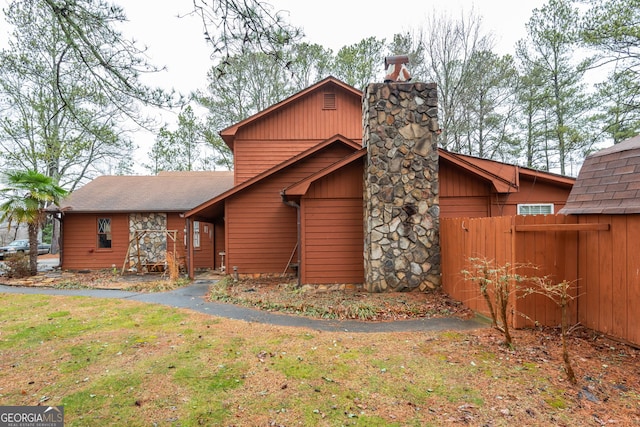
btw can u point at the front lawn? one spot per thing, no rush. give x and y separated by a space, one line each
116 362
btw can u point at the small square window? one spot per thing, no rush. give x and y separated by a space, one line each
535 209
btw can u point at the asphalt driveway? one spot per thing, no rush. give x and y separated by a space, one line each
192 297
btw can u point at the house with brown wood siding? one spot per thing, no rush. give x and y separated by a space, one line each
131 222
297 202
292 205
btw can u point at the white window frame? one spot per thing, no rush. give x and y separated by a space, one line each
196 234
536 209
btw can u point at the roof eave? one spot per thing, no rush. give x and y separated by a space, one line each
334 139
500 185
547 176
300 188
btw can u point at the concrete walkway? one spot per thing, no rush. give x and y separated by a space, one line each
192 297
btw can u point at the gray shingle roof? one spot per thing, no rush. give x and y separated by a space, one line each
608 182
166 192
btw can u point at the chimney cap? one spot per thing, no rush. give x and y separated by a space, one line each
397 59
396 69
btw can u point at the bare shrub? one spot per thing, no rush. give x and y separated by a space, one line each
17 266
497 283
561 294
173 267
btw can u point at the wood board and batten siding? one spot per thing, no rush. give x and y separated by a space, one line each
332 240
80 246
264 231
530 190
261 230
204 256
299 125
174 222
609 271
462 194
219 246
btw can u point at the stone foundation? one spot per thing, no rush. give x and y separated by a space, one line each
401 207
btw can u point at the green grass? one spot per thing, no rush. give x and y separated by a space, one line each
116 362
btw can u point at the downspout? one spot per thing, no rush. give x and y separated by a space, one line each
299 243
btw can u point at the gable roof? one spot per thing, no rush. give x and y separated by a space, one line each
228 134
608 182
300 188
213 205
504 177
166 192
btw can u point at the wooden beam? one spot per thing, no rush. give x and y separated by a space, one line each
564 227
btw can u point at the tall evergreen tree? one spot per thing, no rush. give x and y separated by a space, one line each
58 113
620 97
361 63
611 28
187 148
249 84
532 147
550 46
307 63
489 105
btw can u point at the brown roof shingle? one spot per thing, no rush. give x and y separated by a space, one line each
166 192
608 182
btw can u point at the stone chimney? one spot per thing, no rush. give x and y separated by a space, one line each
401 207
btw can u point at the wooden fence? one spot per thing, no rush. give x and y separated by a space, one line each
601 254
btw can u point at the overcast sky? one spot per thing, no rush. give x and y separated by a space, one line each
179 44
175 39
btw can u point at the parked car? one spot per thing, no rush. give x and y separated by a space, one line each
22 246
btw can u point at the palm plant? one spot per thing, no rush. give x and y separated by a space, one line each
26 195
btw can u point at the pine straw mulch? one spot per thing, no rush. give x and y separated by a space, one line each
280 294
98 279
608 371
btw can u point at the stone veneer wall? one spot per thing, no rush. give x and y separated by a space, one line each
153 245
401 205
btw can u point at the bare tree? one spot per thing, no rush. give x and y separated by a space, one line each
449 46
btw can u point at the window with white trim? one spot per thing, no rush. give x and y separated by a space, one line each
196 234
535 209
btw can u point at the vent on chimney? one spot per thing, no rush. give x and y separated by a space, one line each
396 68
